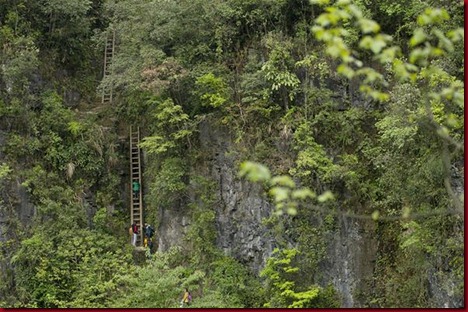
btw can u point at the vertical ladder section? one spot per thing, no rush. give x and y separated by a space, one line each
136 204
108 56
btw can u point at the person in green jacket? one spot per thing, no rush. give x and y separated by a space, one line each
136 188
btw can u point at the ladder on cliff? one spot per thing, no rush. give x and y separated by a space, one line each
136 203
106 96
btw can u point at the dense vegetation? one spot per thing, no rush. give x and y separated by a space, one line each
363 99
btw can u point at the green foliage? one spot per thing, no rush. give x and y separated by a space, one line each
60 268
282 189
171 126
281 277
277 69
4 171
255 172
168 183
161 281
201 236
20 61
234 282
158 284
272 71
212 90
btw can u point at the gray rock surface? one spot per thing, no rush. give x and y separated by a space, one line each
350 259
239 207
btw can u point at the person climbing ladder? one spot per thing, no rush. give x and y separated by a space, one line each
136 189
135 232
136 199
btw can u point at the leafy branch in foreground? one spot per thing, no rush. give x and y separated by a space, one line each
428 45
281 188
286 196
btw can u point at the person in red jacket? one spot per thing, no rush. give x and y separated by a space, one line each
135 231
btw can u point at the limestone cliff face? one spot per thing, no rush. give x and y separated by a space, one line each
239 208
352 248
350 260
242 208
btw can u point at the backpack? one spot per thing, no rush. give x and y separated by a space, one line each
149 231
189 297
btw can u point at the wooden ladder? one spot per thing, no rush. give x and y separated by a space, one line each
108 56
136 204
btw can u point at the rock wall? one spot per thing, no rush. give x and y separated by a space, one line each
350 260
240 207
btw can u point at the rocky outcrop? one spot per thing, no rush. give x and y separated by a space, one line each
240 207
350 259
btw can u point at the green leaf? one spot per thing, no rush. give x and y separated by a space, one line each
326 196
456 34
320 2
254 172
323 20
419 56
366 42
388 55
444 42
303 193
75 127
355 10
283 180
369 26
375 215
433 16
346 71
418 37
4 171
280 193
378 44
343 2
